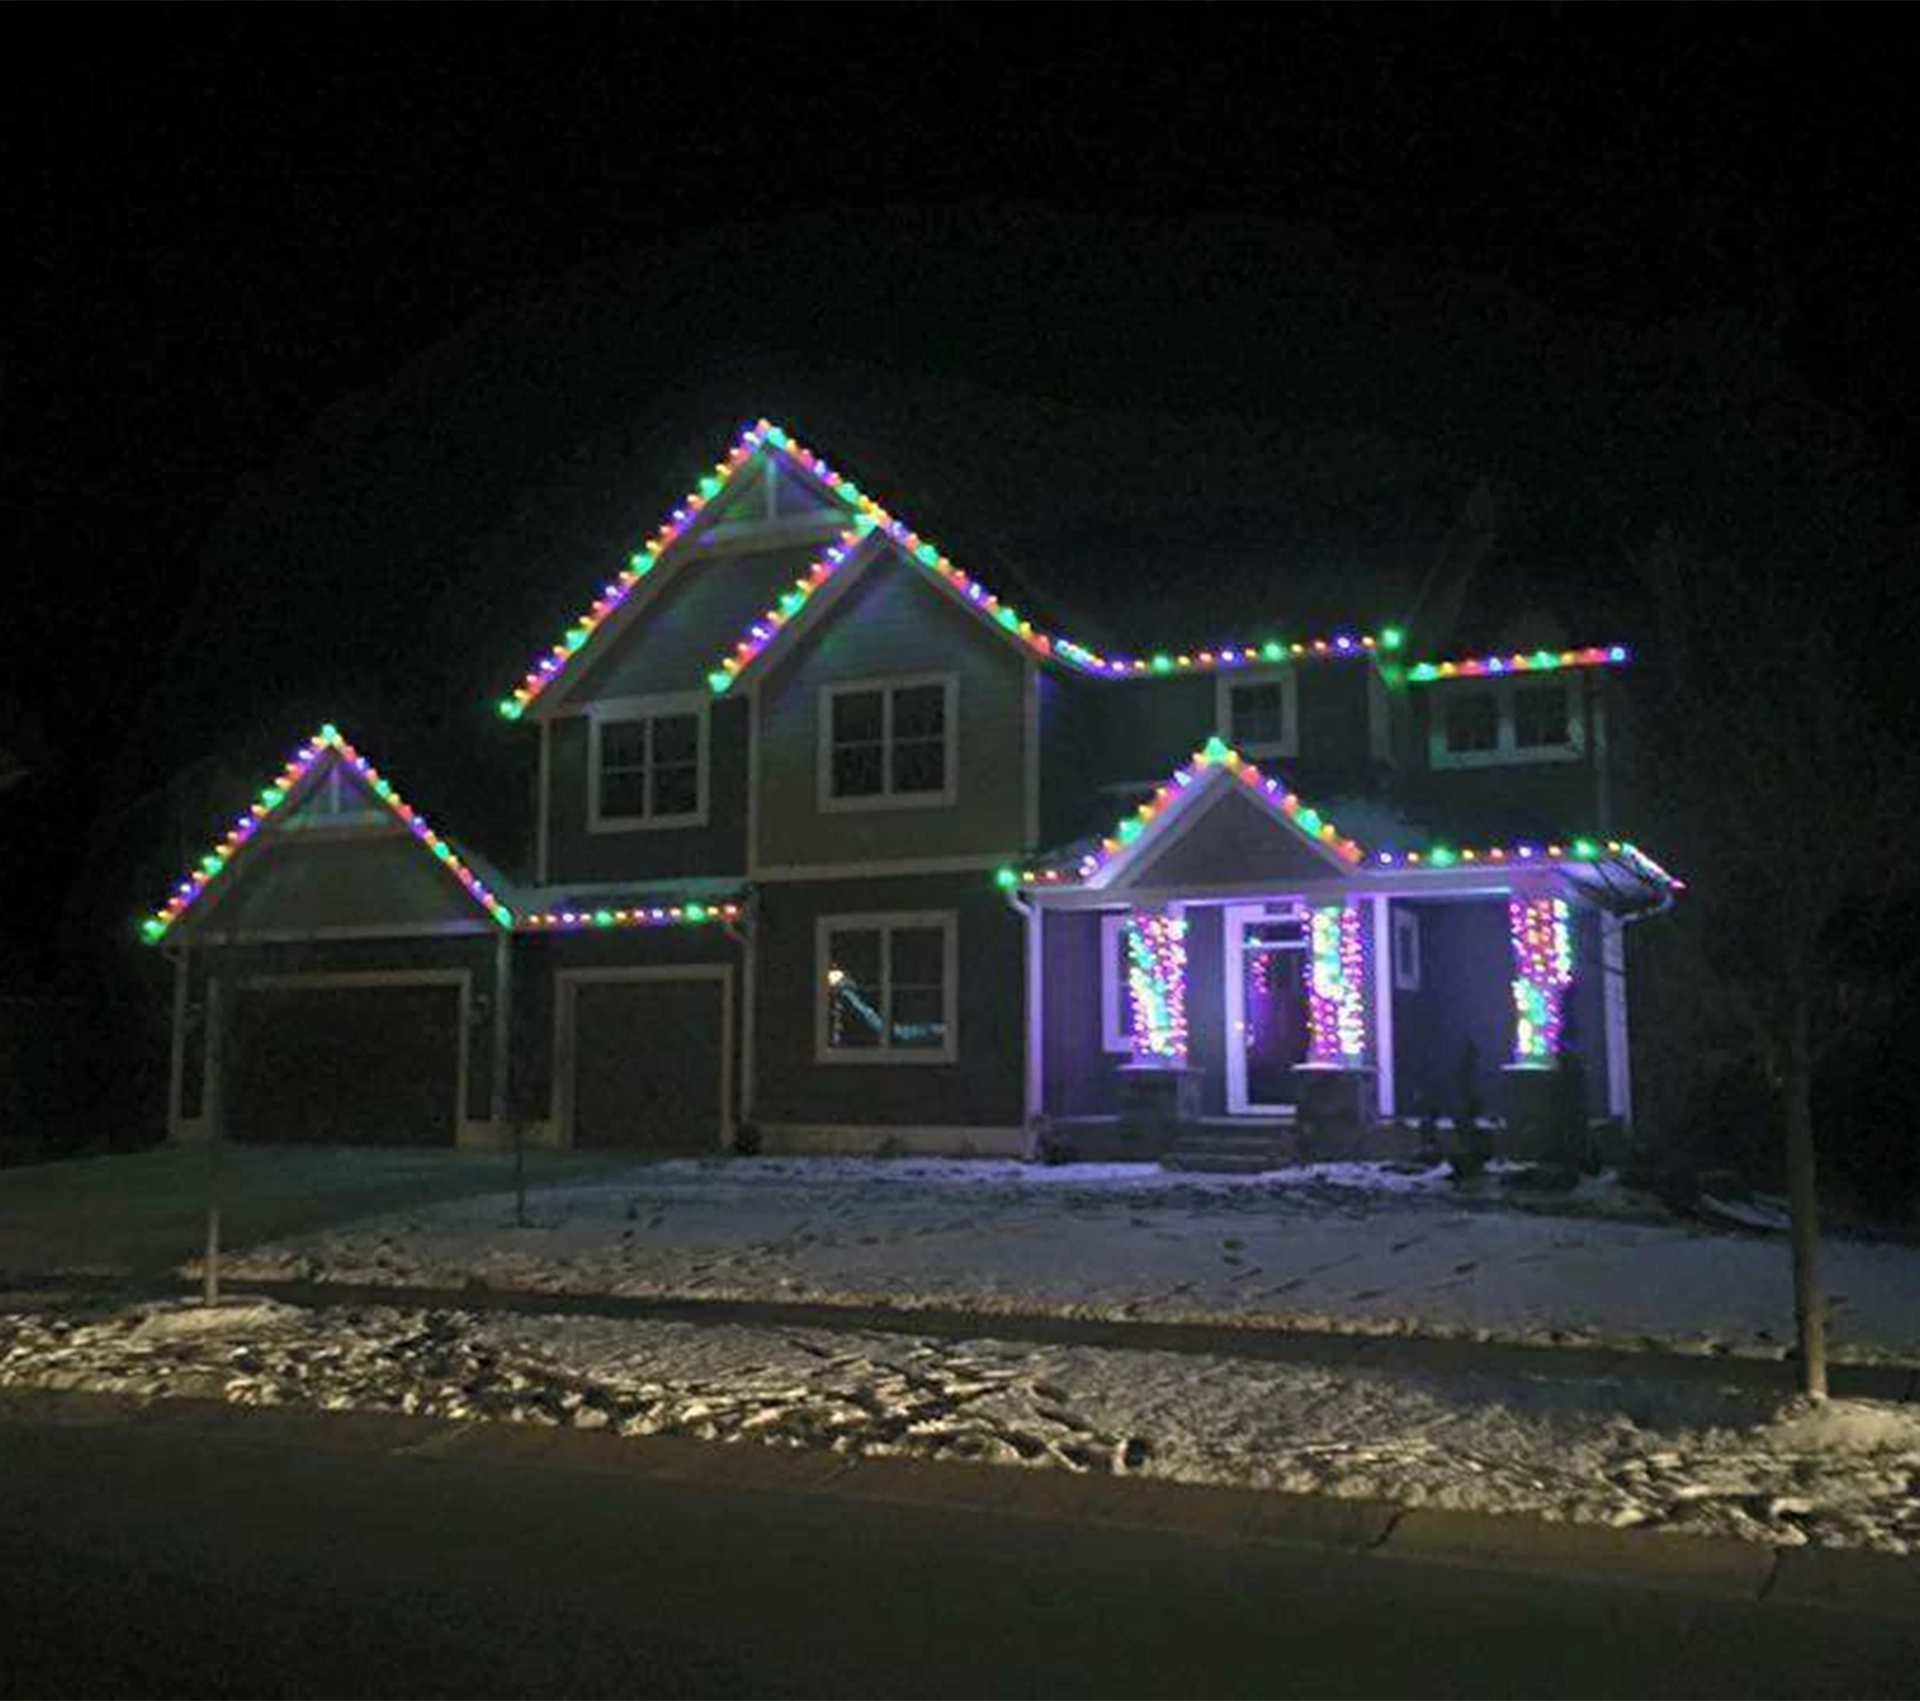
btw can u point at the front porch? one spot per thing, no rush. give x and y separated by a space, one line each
1231 974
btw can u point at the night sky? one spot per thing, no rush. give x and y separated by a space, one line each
348 351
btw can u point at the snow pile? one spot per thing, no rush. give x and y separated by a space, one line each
1623 1453
1366 1248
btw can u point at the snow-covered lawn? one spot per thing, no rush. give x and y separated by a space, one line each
1618 1452
1353 1247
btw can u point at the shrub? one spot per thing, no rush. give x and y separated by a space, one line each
746 1140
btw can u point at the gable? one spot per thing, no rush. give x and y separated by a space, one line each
328 844
1232 838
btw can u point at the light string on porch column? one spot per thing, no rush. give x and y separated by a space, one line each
1542 971
1336 970
1157 978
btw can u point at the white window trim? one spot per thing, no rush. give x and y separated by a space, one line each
887 684
1288 679
623 711
1506 753
882 921
1406 950
1116 1033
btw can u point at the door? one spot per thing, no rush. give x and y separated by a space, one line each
1266 1003
646 1061
344 1060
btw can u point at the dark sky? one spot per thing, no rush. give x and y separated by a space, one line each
265 264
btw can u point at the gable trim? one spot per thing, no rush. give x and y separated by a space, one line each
288 788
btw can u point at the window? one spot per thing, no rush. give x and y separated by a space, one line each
1258 715
648 766
1406 950
1506 720
1116 986
888 743
886 989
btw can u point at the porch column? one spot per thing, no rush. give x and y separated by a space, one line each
1541 932
1158 1091
1332 1087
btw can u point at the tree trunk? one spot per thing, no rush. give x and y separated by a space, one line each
1809 1310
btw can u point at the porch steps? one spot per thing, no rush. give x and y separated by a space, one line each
1234 1151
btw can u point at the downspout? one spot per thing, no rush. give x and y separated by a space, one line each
1034 1086
749 966
501 1105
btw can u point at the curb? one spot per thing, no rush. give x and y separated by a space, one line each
1839 1580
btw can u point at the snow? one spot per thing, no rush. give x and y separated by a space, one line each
1361 1248
1621 1452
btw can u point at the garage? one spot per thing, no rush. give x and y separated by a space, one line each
644 1059
345 1060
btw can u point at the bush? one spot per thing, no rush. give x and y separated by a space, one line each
746 1141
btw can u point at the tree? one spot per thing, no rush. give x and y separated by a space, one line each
1778 757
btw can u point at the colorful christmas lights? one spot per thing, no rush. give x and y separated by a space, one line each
649 915
1336 987
1531 854
1157 978
1542 971
277 795
1539 661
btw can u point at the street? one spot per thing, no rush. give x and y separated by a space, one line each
340 1556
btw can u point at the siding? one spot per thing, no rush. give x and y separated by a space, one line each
717 847
983 1087
893 622
1465 996
296 883
1078 1073
1235 842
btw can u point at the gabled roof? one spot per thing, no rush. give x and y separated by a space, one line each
866 516
1603 865
280 797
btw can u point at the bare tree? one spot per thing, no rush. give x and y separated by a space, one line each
1778 757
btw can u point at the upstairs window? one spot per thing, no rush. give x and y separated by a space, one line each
1490 723
649 767
888 743
1259 716
886 988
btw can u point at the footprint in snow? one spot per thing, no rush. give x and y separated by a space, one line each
1466 1268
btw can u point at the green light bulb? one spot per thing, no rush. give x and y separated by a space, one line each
1005 878
696 912
1162 664
509 708
1442 857
718 681
1391 638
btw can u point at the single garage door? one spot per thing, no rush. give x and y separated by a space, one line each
357 1064
646 1063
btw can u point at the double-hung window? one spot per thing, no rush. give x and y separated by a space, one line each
1489 723
1259 714
888 743
885 989
648 765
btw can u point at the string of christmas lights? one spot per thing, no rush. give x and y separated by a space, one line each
656 915
1539 661
1542 972
1157 978
276 795
1336 987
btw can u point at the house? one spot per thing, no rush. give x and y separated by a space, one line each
834 845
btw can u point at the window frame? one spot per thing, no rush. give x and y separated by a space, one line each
630 711
885 923
1288 679
1507 751
888 798
1406 946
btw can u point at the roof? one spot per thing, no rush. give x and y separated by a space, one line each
279 797
1600 864
868 518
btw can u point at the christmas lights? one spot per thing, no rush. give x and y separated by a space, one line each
1336 982
1542 971
1215 754
1539 661
277 795
1157 978
654 915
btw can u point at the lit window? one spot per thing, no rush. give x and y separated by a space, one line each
886 988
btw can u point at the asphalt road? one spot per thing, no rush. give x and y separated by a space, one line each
141 1557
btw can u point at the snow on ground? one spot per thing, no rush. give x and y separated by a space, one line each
1356 1247
1625 1453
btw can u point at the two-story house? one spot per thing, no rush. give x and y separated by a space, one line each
835 845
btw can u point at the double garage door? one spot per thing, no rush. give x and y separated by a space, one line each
345 1062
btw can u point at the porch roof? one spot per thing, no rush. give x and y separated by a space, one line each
1614 873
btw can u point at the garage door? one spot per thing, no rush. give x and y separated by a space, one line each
374 1065
646 1063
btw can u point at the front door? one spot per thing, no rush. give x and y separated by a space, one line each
1266 965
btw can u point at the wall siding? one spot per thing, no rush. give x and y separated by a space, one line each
300 882
893 622
719 847
1236 841
1079 1078
984 1086
1466 995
